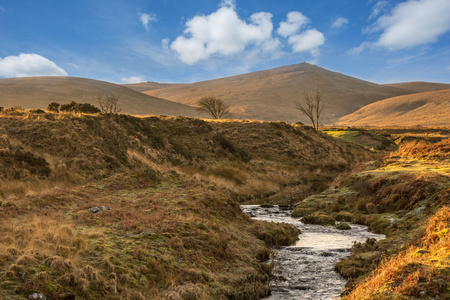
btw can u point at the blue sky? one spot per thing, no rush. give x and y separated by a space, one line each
187 41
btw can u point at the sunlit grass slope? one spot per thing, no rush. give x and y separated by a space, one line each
421 271
394 195
426 109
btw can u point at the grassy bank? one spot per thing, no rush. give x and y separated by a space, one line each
396 196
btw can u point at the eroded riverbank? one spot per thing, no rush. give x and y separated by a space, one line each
306 270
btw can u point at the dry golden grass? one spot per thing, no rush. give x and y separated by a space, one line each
271 94
38 92
428 109
418 271
174 228
420 86
180 240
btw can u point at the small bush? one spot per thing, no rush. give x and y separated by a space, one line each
37 111
54 107
79 108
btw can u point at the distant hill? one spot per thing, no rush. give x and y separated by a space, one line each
147 86
38 92
271 94
424 109
420 86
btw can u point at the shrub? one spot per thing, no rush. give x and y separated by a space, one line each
54 107
37 111
68 106
79 108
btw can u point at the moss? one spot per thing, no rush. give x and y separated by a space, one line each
319 219
343 216
343 226
299 212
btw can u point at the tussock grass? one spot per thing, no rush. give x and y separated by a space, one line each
418 271
393 195
175 228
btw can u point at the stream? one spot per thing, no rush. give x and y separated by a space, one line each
306 270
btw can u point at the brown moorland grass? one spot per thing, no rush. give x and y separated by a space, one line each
421 86
419 271
155 240
249 157
38 92
169 225
428 109
394 196
271 94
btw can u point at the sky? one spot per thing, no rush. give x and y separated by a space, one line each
128 41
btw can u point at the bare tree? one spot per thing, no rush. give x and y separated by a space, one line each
311 107
214 106
109 104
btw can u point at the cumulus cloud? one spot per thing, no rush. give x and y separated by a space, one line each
132 79
222 33
146 19
295 21
413 23
26 65
309 40
339 22
301 41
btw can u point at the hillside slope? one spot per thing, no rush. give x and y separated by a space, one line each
147 86
38 92
271 94
421 86
424 109
121 207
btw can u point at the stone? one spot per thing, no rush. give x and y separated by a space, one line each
37 296
21 275
94 209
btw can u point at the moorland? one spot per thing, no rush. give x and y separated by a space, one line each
144 205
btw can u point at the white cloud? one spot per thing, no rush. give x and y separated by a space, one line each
357 50
165 43
26 65
295 20
301 41
309 40
146 19
413 23
378 8
132 79
339 22
222 33
228 3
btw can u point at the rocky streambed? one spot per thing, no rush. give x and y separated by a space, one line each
306 270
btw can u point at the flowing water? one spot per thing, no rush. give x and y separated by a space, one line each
306 270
